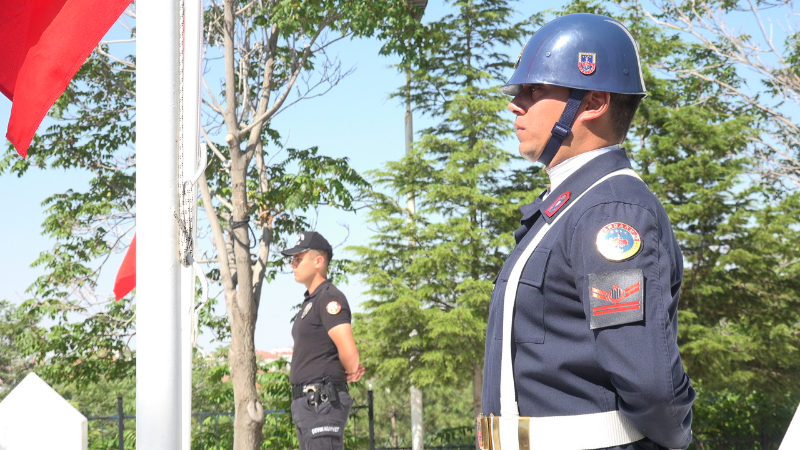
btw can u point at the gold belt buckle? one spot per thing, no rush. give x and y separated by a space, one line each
484 433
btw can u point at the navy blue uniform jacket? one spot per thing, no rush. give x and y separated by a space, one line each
568 359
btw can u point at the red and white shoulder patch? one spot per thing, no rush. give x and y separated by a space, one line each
558 204
333 308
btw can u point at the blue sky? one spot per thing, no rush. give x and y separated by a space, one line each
356 119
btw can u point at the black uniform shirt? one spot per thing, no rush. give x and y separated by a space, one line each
315 355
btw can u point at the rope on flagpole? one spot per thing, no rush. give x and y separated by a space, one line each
190 61
190 69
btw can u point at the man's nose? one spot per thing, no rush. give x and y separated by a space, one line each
515 108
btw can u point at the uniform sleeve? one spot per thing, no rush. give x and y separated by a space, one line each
628 272
334 310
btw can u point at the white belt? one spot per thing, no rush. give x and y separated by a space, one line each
509 410
586 431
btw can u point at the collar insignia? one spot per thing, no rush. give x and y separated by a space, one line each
560 201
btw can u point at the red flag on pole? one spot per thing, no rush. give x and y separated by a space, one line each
126 277
44 43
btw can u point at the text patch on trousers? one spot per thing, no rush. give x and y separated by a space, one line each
616 298
327 430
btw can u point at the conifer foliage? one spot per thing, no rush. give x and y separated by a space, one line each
430 269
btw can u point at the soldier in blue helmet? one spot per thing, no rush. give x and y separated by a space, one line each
581 344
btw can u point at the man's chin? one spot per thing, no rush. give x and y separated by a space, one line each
530 155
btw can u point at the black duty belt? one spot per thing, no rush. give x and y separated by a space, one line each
301 390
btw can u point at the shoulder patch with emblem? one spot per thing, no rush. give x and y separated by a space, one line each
618 241
307 309
558 204
333 308
616 298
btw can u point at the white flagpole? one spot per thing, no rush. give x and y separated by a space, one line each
158 383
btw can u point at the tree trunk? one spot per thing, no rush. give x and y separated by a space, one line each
247 432
242 313
477 387
394 426
239 299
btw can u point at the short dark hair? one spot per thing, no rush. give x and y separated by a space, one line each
325 255
622 108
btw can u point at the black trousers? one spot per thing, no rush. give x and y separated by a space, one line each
321 427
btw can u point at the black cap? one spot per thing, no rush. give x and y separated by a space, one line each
309 240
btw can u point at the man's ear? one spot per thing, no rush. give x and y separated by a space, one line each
596 104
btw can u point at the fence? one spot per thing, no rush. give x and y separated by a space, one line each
743 443
213 428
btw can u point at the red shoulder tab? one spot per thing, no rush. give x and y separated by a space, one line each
558 204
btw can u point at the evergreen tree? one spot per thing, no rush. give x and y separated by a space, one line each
739 313
255 194
430 270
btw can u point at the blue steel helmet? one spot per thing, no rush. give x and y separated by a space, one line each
582 52
589 52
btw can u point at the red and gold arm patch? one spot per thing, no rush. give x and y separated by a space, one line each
616 298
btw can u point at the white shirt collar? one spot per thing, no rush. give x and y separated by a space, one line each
564 169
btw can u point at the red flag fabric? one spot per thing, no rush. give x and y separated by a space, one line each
44 43
126 277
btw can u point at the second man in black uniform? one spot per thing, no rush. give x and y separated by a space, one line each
325 356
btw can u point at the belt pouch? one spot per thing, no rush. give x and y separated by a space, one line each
329 390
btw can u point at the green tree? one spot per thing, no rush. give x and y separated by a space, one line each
698 149
448 416
94 133
430 270
766 54
15 362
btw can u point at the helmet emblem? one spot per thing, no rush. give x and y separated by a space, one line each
587 62
519 58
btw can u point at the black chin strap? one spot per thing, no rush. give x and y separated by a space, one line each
563 127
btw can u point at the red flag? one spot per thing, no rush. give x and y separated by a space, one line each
44 43
126 277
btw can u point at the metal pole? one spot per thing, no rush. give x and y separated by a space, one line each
371 415
121 423
158 368
409 134
121 426
417 427
417 430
